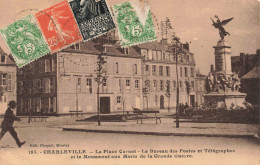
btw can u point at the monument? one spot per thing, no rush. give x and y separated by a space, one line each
221 84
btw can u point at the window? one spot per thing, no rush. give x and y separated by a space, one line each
159 54
188 58
117 69
126 50
89 82
154 70
53 64
168 71
160 70
52 85
41 66
174 84
147 84
163 56
47 65
104 82
186 72
47 85
75 46
9 82
191 72
4 77
155 85
2 58
118 99
79 84
137 84
161 85
154 55
180 71
135 69
180 84
127 84
168 85
192 85
89 85
147 68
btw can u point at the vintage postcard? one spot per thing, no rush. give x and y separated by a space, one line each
59 26
25 40
172 82
93 17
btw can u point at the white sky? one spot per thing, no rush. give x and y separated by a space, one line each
190 20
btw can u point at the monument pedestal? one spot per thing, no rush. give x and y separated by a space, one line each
223 57
228 98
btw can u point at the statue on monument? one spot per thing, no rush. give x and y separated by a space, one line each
220 26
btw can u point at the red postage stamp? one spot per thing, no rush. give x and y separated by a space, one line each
58 26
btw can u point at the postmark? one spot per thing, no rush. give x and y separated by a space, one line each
135 24
25 40
93 17
58 26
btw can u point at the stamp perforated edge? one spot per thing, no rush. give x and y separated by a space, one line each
65 46
35 23
101 33
119 35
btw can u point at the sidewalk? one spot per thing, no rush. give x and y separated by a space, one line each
168 128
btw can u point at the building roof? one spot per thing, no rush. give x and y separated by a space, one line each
9 58
96 48
253 74
155 45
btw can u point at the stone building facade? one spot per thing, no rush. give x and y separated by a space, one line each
159 67
65 81
7 80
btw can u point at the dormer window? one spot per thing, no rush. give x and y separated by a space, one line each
3 58
126 50
75 46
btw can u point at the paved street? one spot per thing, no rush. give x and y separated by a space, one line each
249 148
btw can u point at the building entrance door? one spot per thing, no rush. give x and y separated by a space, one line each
192 100
104 105
161 102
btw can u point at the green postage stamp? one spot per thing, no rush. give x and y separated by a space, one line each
135 24
25 40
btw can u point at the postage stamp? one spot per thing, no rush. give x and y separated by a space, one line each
25 40
135 24
93 17
58 26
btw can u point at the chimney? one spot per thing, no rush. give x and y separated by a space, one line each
104 48
211 68
186 46
242 57
258 57
164 41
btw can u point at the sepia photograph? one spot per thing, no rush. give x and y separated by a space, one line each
130 82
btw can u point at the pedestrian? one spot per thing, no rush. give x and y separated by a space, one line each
7 123
185 107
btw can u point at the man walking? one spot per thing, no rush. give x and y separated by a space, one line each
7 123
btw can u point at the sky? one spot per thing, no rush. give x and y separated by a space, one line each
190 20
